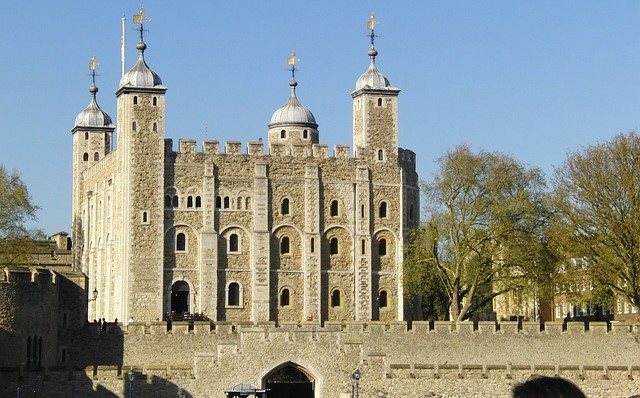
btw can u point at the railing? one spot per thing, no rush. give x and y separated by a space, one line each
184 317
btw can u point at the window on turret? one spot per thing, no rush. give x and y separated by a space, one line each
247 203
363 247
382 210
382 247
145 217
176 201
198 202
333 246
313 245
189 202
155 127
239 203
411 212
284 245
382 299
181 242
379 101
167 201
284 207
283 134
133 126
85 157
305 134
233 294
333 211
284 297
233 243
96 156
218 202
86 136
380 155
226 202
155 101
335 298
135 100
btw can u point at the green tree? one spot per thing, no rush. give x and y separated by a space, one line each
15 209
596 199
486 214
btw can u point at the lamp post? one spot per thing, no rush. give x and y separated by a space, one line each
131 384
94 294
355 377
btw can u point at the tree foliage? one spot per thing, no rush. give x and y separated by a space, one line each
596 198
485 213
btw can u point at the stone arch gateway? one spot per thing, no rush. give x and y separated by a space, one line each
289 380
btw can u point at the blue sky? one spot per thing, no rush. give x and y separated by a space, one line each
532 79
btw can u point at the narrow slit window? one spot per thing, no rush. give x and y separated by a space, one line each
382 212
85 157
176 201
362 211
233 296
198 202
233 243
382 247
333 246
155 127
155 101
181 242
335 298
363 246
284 245
283 134
218 202
284 298
382 300
96 156
380 154
135 100
305 134
226 202
145 217
133 126
313 245
167 201
284 207
189 201
333 212
379 101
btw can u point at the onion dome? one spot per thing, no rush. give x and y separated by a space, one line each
93 115
372 78
293 112
140 75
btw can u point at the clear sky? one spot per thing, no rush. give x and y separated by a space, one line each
532 79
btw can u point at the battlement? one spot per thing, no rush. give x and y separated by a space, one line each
105 163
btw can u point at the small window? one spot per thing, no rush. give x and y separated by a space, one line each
155 101
135 100
145 217
167 201
362 211
283 134
247 203
333 212
176 201
382 247
189 202
218 202
379 101
305 134
313 245
233 243
411 212
335 298
382 210
363 246
96 156
380 155
284 207
181 242
284 245
133 126
239 202
284 298
226 202
233 295
333 246
86 136
198 202
382 300
85 157
155 127
63 355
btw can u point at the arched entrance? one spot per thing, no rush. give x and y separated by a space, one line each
289 380
180 297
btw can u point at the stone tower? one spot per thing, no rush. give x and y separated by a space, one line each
92 139
141 126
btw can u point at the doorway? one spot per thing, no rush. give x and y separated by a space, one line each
180 297
289 381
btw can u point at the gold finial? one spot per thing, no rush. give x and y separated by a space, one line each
139 17
292 60
371 23
93 64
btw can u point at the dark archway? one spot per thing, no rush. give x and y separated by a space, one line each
180 297
289 380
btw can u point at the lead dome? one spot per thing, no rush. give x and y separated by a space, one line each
141 75
293 112
93 115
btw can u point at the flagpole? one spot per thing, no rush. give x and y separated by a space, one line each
122 40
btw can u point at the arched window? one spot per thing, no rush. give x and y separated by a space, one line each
218 202
284 297
362 211
233 243
189 201
85 157
382 210
176 201
239 202
135 100
313 245
379 101
155 126
198 202
382 247
86 136
284 206
233 294
96 156
247 203
363 246
333 246
305 134
283 134
284 245
380 154
133 126
226 202
335 298
155 101
167 201
382 300
145 217
181 242
333 212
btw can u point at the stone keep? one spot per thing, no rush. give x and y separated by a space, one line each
293 235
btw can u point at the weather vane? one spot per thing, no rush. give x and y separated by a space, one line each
291 61
140 19
371 25
92 67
